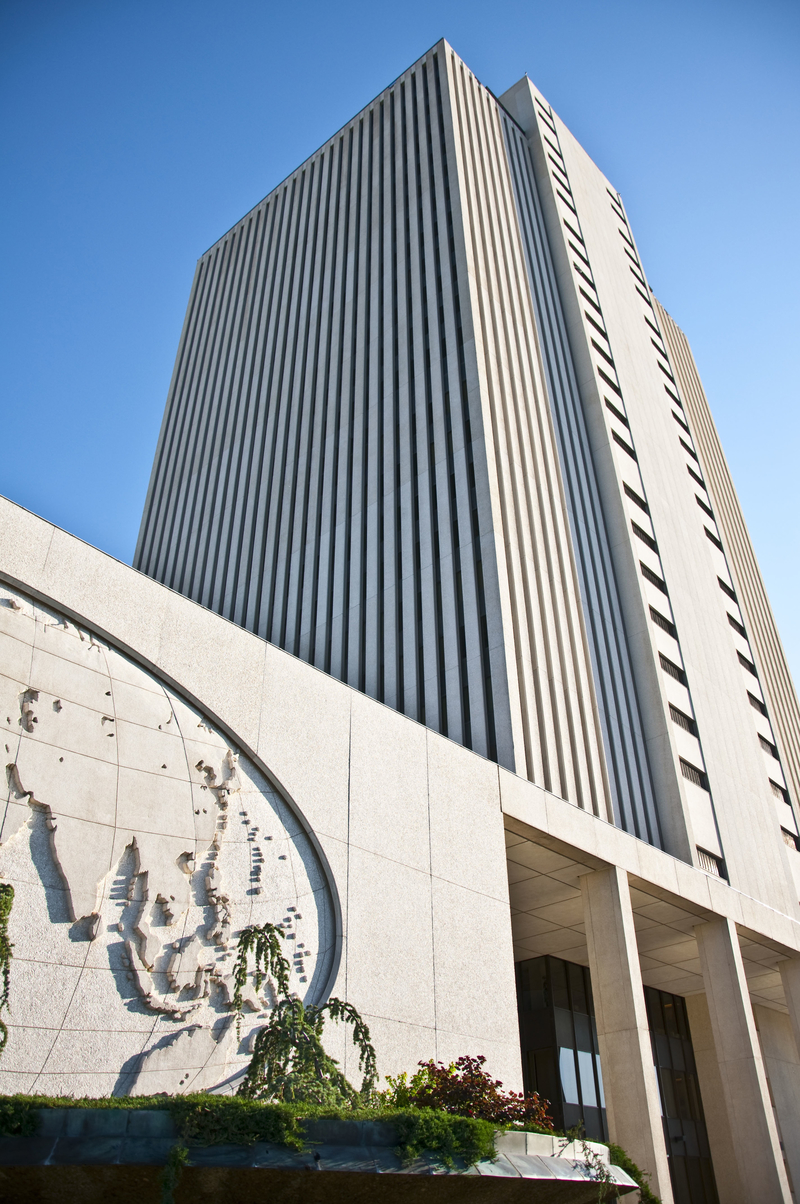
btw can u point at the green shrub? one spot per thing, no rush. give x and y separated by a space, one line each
624 1162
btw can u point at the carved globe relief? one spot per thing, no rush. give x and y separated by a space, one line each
140 842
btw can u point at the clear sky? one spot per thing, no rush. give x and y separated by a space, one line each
135 132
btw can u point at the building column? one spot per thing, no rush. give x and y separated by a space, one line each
626 1054
790 978
759 1163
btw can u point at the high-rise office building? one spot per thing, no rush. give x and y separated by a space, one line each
430 430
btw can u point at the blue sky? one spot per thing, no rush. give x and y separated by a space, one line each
135 132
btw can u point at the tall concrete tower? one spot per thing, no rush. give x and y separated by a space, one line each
430 430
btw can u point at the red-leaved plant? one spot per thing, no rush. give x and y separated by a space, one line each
466 1089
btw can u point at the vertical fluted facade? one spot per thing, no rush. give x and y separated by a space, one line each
320 477
429 430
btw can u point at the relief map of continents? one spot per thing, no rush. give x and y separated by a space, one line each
145 841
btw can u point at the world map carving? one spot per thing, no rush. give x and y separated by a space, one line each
140 841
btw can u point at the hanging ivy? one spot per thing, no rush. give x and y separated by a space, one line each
264 942
290 1064
6 903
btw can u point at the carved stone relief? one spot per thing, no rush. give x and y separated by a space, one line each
140 842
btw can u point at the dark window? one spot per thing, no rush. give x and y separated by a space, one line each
611 384
685 721
675 398
663 622
566 202
634 496
726 589
617 413
680 422
644 296
596 325
768 746
638 275
626 237
558 1035
779 792
625 446
560 165
687 447
579 253
652 325
582 274
572 230
690 1166
695 476
586 297
736 625
756 703
653 578
666 371
602 352
546 116
790 839
693 774
703 506
659 349
672 669
746 664
552 146
716 542
711 863
645 538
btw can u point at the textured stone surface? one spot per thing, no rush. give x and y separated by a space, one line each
139 841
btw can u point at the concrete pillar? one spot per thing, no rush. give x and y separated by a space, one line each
782 1065
790 977
626 1055
759 1165
720 1141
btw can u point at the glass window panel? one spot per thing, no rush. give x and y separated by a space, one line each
600 1080
586 1070
670 1023
662 1051
681 1095
558 982
577 989
677 1050
667 1091
565 1034
655 1019
569 1078
583 1032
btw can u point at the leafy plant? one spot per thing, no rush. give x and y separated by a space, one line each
640 1177
264 942
223 1119
427 1130
464 1088
6 903
289 1062
177 1159
598 1168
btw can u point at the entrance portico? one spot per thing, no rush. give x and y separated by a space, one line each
584 891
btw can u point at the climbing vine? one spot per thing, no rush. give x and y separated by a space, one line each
6 903
264 942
